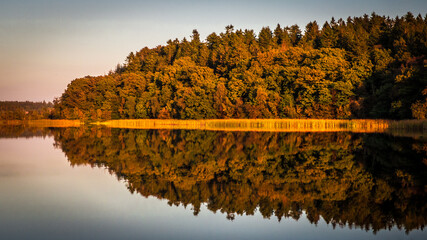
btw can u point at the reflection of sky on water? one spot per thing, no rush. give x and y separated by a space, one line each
42 197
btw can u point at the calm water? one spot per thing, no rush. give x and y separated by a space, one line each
93 183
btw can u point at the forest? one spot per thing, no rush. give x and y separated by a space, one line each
14 110
362 67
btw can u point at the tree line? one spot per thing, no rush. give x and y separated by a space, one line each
363 67
15 110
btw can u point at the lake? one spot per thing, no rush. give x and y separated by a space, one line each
111 183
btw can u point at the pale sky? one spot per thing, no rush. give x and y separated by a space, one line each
45 44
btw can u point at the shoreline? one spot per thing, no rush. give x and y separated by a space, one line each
410 128
43 123
274 125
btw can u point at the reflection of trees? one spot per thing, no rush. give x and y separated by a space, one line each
21 131
337 176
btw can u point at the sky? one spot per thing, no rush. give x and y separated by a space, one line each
45 44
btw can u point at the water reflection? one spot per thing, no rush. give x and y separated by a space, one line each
371 181
20 131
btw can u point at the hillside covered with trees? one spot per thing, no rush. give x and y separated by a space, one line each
362 67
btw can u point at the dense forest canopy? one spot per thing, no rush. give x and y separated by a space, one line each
363 67
25 110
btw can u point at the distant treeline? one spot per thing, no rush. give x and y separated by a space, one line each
363 67
14 110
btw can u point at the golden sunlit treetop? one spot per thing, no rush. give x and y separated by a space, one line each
362 67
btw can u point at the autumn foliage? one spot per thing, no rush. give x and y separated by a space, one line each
364 67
